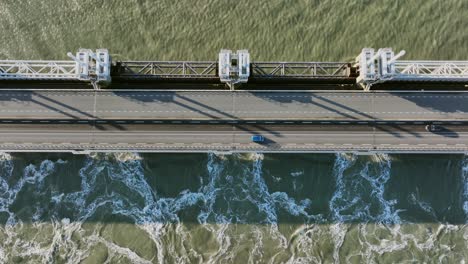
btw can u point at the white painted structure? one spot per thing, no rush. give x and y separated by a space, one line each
384 65
234 68
86 65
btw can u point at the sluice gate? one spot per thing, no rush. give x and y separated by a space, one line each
235 69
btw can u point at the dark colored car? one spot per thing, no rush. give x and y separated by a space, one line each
433 128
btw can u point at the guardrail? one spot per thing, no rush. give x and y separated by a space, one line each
300 69
38 70
383 66
166 69
235 68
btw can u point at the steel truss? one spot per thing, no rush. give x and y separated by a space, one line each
440 70
41 70
167 69
384 65
300 69
93 67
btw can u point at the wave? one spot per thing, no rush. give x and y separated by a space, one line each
360 189
234 209
464 180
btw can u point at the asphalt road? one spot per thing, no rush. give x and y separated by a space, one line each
232 138
203 105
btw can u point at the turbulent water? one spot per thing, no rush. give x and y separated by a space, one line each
252 208
208 208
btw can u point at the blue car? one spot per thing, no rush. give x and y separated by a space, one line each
258 138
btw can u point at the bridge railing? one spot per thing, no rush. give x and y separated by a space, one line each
38 70
451 70
166 69
85 65
300 69
384 65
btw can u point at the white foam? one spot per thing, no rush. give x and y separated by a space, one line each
122 251
350 202
338 232
425 206
342 162
31 175
297 173
464 179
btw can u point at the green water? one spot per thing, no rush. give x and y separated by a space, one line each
207 208
288 30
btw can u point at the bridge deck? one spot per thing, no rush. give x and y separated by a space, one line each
232 138
147 105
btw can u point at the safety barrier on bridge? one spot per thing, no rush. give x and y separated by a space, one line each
384 65
235 68
166 69
300 69
232 68
86 65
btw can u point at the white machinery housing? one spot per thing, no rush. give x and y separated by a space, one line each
234 68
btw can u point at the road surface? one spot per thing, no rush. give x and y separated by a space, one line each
232 138
242 105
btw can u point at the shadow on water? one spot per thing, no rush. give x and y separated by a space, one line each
239 189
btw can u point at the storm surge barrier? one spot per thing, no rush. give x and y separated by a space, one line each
234 69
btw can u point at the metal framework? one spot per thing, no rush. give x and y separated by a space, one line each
85 66
431 70
300 69
38 70
234 67
167 69
383 66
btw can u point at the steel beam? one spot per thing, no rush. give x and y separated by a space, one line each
38 70
300 69
166 69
